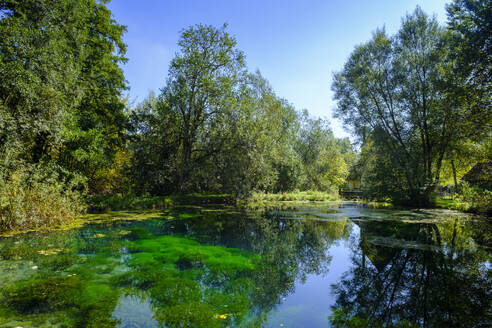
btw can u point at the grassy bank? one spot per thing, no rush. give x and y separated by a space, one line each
452 204
260 200
483 207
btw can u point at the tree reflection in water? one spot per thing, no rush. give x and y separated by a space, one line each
286 252
223 268
416 274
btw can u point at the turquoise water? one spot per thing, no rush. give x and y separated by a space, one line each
318 266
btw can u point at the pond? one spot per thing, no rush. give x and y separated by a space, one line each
339 265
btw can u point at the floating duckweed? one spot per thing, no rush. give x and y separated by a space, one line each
52 251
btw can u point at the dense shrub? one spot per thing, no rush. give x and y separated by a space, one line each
33 196
477 199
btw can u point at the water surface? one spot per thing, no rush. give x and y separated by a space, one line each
318 266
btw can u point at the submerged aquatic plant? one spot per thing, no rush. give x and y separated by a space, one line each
210 284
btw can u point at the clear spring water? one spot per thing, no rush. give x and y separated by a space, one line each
317 266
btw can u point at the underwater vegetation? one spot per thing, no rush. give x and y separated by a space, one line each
78 280
208 267
211 285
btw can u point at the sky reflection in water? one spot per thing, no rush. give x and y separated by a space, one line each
313 267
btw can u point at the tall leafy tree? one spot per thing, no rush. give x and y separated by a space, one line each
61 83
396 88
200 91
470 86
266 132
97 131
39 74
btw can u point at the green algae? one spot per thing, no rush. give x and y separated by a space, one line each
72 301
188 216
42 295
124 215
190 284
171 249
178 271
138 233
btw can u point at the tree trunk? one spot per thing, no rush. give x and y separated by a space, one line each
184 166
454 177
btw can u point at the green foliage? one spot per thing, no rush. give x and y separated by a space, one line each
324 164
381 177
133 202
471 22
477 199
61 114
217 128
401 96
37 196
264 133
462 158
127 201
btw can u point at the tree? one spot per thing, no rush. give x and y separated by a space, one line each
470 38
39 75
323 162
201 87
60 75
61 113
266 131
398 89
97 131
471 21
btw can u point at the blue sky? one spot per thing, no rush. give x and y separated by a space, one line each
297 45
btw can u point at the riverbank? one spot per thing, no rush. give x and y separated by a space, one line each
286 200
131 207
476 206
